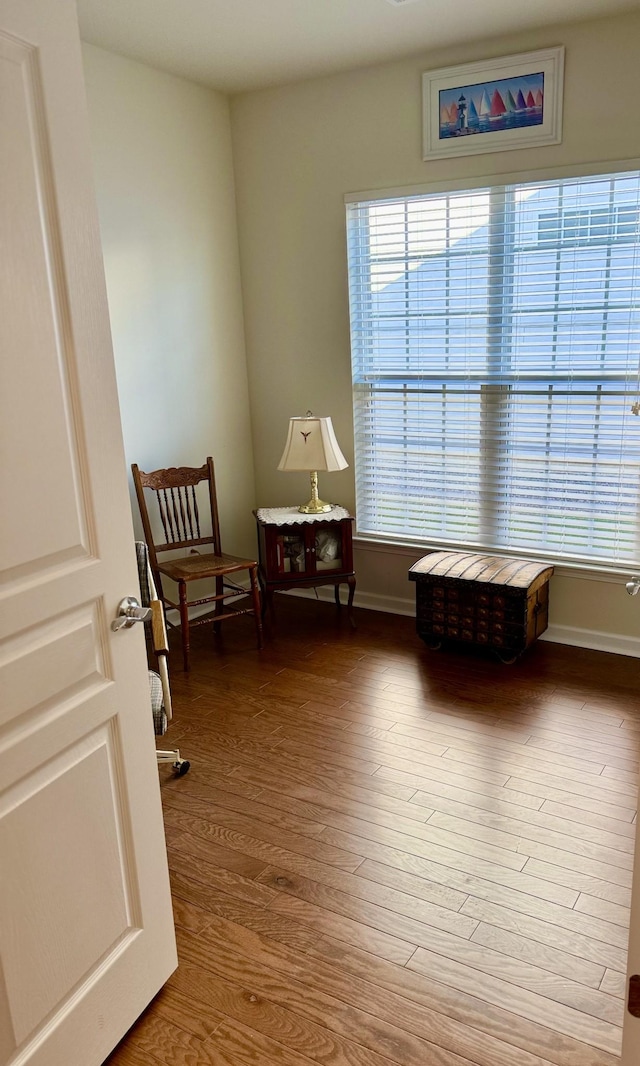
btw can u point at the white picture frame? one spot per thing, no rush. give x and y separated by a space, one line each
475 108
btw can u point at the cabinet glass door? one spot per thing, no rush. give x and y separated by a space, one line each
328 547
290 553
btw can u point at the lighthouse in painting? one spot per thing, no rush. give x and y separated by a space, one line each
461 117
506 104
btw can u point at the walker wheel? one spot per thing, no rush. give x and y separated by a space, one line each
182 767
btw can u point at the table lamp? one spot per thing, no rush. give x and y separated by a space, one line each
312 445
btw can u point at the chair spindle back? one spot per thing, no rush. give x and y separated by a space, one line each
174 491
179 514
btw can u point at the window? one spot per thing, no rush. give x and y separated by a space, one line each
495 351
588 224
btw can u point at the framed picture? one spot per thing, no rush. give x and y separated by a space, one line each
493 105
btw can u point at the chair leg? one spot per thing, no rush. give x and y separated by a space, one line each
219 607
257 605
184 624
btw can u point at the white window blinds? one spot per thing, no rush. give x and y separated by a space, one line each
495 350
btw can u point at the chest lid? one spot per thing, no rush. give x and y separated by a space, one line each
488 569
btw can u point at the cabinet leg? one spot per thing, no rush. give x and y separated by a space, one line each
351 581
269 605
263 593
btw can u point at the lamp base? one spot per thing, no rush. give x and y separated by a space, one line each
315 507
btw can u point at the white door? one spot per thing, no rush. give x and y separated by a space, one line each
86 933
631 1028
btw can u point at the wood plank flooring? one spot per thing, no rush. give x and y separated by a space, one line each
385 856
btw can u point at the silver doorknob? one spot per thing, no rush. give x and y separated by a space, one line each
130 612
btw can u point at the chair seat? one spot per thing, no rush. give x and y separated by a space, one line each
192 567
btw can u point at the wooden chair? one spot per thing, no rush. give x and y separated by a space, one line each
179 515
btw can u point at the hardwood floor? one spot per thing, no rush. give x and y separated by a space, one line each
384 855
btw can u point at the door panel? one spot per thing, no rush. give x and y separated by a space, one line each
86 931
70 914
53 660
43 377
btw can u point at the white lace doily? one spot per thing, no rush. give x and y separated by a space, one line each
291 516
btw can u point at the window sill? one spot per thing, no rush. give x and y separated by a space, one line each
563 568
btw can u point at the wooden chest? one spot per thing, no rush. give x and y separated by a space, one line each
502 604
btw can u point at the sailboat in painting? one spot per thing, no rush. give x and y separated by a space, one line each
484 109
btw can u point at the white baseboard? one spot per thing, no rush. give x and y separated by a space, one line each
366 600
592 638
555 634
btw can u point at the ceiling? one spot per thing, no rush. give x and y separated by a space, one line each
238 45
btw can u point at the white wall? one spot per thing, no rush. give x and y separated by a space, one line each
165 189
297 151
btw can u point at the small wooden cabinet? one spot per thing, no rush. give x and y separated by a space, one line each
298 551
